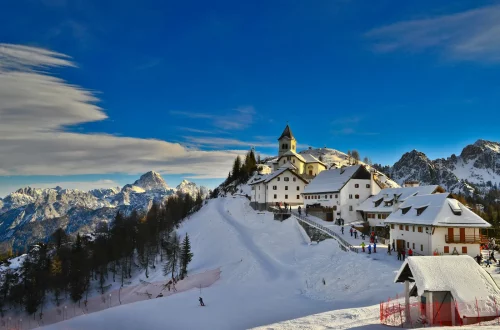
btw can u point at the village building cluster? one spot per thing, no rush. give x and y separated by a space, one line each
425 219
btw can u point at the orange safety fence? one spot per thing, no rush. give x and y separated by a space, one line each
443 311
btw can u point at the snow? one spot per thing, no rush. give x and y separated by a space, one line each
438 212
269 273
460 275
331 180
389 193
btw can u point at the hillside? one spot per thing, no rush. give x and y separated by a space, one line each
269 274
476 169
32 214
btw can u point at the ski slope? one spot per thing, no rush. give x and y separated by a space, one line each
269 274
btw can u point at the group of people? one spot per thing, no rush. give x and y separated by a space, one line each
401 252
369 248
491 258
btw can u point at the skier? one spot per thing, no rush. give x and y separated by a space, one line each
375 247
369 249
363 246
342 230
300 211
201 302
350 230
403 253
355 234
410 252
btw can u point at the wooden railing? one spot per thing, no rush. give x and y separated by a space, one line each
467 239
344 245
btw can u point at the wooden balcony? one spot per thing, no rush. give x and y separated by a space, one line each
467 239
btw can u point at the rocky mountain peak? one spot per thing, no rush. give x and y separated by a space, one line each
151 181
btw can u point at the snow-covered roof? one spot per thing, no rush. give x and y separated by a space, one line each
311 159
436 210
269 177
331 180
460 275
292 153
387 194
288 165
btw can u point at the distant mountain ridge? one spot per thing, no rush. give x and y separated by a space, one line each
31 214
475 170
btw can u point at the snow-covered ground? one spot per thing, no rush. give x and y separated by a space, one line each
269 274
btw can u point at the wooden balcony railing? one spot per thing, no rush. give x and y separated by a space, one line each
467 239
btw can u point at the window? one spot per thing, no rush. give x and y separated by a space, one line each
294 179
275 187
326 196
413 231
298 196
367 185
413 246
350 196
400 227
356 185
259 196
379 216
446 249
420 229
350 207
286 179
286 187
464 249
278 178
336 196
259 187
275 196
408 245
335 207
407 228
421 247
286 196
356 196
420 210
331 196
392 226
293 160
298 188
405 210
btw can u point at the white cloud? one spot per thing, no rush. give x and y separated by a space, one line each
36 107
469 35
223 142
236 119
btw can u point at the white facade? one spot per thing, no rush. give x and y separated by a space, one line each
436 225
283 186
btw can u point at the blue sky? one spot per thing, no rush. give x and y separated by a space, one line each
181 87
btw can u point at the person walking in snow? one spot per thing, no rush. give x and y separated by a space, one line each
300 211
403 254
355 234
369 249
350 230
410 252
363 246
342 230
399 254
492 256
201 302
393 246
478 259
389 250
488 263
375 247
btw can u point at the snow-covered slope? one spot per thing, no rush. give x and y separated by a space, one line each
269 274
32 214
477 168
192 189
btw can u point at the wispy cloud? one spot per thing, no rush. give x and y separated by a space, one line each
236 119
469 35
202 131
211 141
352 131
36 107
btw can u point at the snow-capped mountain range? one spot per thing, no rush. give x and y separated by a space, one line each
31 214
476 169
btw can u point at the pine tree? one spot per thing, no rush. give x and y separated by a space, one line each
186 256
78 269
173 255
57 282
349 156
236 173
355 155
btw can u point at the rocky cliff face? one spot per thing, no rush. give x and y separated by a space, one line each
32 214
476 169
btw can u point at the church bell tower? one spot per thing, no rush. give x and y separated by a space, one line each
287 142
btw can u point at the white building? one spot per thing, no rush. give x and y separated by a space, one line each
436 224
342 189
281 186
452 290
377 208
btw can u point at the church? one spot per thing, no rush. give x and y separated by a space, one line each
291 173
